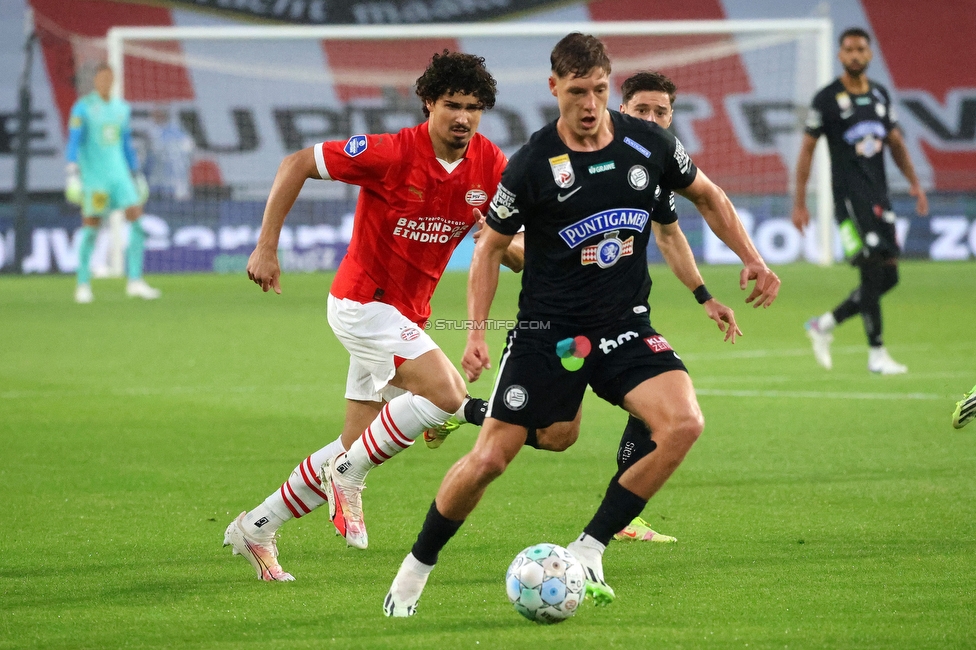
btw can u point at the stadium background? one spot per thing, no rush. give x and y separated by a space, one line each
819 510
239 143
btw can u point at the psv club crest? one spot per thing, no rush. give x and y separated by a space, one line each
562 171
410 334
475 197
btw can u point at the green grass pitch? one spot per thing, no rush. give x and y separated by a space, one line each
818 510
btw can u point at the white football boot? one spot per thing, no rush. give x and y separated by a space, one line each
821 340
83 294
345 503
879 361
592 561
139 289
408 585
262 553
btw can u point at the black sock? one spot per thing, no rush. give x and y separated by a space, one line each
850 307
634 444
619 507
474 411
872 286
532 438
436 533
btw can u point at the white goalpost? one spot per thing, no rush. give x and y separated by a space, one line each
246 96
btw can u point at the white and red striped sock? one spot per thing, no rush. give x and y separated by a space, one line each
400 422
299 495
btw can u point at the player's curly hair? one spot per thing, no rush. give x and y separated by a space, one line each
650 81
576 54
455 72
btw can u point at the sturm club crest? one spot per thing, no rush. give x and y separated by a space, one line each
608 251
637 177
516 397
562 171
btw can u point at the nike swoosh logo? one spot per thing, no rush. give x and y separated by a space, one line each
563 197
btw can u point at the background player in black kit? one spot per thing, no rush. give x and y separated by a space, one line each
584 187
650 96
857 116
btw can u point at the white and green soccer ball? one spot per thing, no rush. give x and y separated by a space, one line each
545 583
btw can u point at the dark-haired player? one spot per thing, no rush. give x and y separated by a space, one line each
584 188
419 190
650 96
857 117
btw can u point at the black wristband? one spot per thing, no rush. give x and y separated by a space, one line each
702 295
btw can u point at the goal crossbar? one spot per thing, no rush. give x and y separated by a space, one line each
819 29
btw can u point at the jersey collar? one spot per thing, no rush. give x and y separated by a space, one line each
426 147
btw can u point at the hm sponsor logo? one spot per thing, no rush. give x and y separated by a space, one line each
607 346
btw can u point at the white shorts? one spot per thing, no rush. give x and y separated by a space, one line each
374 334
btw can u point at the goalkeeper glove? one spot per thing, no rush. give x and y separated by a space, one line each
142 188
72 187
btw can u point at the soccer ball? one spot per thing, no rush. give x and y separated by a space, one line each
545 583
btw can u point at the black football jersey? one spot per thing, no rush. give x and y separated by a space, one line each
856 127
586 218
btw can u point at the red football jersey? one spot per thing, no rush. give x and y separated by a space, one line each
411 213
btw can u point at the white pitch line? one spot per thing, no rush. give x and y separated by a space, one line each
167 391
794 394
825 377
790 352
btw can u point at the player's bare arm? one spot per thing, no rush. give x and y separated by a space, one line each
482 283
899 152
514 257
720 215
681 260
801 215
294 170
677 253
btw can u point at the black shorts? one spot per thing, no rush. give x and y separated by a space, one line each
543 374
867 230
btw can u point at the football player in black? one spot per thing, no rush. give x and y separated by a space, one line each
647 96
857 117
584 187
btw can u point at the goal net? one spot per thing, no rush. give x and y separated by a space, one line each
216 109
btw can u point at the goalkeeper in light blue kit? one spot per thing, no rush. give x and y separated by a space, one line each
103 175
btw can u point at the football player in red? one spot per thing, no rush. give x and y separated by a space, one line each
419 191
